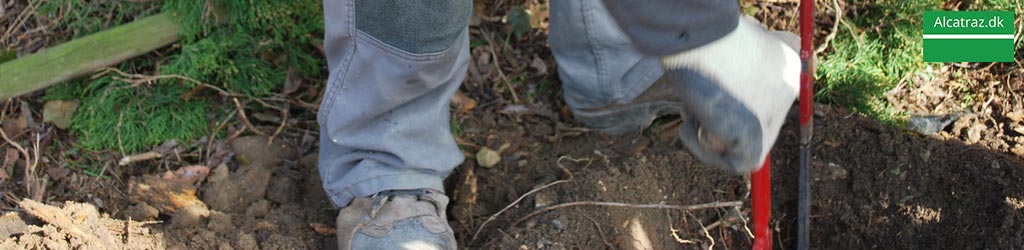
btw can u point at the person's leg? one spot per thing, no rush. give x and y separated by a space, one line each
599 66
384 119
394 65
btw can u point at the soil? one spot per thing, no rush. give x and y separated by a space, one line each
874 187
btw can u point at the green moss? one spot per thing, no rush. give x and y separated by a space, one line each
230 61
243 46
118 115
77 18
880 47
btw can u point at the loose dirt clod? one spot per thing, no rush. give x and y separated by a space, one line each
234 192
142 211
75 226
189 216
167 196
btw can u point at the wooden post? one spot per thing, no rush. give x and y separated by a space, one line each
87 54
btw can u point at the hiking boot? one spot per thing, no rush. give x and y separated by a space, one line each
399 219
732 94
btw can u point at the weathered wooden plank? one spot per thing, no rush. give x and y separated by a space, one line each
86 54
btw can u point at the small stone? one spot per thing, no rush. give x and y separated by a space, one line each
247 242
544 199
559 223
838 172
614 171
487 157
142 211
189 216
1018 150
225 246
522 163
220 223
542 243
974 133
530 224
258 209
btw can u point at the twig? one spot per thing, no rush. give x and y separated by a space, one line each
137 79
601 231
716 204
245 119
706 233
30 165
139 157
497 65
559 163
675 232
213 136
19 20
495 215
236 134
120 118
284 121
835 28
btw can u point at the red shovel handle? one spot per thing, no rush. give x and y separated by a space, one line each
761 202
761 181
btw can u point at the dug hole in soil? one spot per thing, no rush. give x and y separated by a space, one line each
873 187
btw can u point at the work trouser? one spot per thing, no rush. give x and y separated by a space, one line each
394 65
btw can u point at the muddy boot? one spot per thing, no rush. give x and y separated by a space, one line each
732 94
400 219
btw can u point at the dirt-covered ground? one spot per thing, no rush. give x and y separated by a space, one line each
874 186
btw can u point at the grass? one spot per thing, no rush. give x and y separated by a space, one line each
242 46
118 115
878 46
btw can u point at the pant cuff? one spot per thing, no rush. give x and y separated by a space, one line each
377 184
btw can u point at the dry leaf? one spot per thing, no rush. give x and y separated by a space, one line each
15 126
462 103
291 82
166 196
322 229
538 15
59 112
1016 116
10 159
539 65
187 174
472 190
57 173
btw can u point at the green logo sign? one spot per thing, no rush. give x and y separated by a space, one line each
968 36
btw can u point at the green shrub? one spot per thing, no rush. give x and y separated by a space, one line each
242 46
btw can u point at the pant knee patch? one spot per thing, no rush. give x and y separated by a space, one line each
416 26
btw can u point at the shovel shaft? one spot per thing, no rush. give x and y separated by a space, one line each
806 120
761 204
807 69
